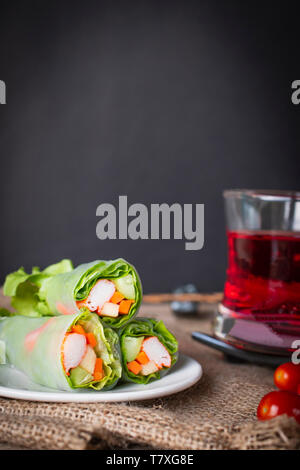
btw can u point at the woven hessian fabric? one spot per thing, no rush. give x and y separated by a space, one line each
217 413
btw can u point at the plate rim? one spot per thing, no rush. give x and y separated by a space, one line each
107 396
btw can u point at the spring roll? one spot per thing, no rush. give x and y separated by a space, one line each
65 352
112 289
148 350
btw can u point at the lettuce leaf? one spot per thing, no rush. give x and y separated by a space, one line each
107 348
24 288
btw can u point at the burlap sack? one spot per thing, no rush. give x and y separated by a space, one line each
217 413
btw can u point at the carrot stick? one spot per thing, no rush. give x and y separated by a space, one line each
98 376
117 297
134 367
142 358
78 329
125 306
98 365
98 370
91 339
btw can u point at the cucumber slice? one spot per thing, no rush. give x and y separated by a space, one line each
80 376
125 286
132 346
89 360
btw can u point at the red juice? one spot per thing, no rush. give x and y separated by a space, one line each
263 279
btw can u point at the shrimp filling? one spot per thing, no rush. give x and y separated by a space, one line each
79 357
105 300
152 357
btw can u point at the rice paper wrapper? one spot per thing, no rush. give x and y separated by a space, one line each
33 345
148 327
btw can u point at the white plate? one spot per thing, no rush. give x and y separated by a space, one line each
185 373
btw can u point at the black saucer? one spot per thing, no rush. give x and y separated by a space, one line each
240 355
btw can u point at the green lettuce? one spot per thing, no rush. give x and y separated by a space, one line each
107 348
56 290
147 327
24 288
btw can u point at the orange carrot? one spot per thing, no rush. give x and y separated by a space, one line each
78 329
98 376
98 365
98 370
142 358
117 297
125 306
134 367
91 339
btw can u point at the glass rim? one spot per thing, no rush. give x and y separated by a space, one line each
265 194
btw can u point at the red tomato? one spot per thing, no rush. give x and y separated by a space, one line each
279 403
287 377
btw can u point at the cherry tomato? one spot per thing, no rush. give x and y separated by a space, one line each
278 403
287 377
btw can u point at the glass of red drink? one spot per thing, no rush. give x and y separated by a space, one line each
260 310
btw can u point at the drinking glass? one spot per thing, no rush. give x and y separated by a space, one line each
260 310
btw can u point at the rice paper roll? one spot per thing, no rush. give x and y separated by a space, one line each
65 352
112 289
148 350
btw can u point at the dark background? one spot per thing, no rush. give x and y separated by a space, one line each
160 101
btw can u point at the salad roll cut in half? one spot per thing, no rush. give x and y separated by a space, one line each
64 353
112 289
148 350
